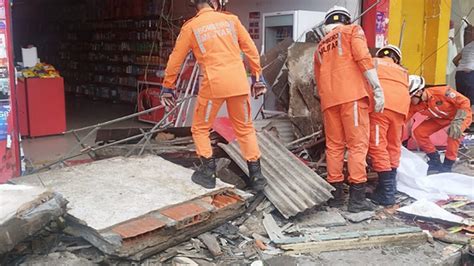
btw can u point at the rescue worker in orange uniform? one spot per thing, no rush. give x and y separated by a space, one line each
217 39
386 127
444 107
343 70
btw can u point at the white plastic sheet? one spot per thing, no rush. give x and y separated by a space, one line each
424 208
412 179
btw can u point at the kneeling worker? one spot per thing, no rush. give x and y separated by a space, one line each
216 39
444 107
386 127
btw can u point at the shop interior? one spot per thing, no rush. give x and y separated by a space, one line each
87 62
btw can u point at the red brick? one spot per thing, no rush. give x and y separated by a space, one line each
138 227
184 211
222 200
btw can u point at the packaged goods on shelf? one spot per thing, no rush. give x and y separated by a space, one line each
40 71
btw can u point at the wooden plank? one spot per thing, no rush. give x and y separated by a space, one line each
357 243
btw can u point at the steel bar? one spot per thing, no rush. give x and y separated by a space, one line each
92 149
92 155
116 120
365 11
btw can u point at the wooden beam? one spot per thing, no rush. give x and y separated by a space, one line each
358 243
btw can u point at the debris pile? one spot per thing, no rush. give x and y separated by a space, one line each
135 201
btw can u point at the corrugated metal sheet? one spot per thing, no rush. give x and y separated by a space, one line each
283 125
292 186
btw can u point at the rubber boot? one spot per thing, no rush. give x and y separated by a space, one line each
394 179
384 194
257 180
434 164
338 195
205 175
447 166
357 200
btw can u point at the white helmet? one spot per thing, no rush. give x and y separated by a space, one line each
337 14
416 83
392 51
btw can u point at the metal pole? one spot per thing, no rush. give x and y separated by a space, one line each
188 88
401 34
91 149
115 120
365 11
188 103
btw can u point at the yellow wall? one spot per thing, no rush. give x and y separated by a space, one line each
426 32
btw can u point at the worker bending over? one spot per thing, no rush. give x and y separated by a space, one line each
216 39
341 61
386 127
444 107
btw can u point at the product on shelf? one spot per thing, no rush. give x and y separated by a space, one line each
40 70
102 47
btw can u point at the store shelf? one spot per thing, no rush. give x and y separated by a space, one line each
100 35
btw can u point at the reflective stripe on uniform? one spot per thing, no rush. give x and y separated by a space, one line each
246 112
319 57
208 111
377 135
433 113
233 31
441 112
339 43
199 41
356 114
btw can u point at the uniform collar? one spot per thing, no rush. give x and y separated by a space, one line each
205 10
388 59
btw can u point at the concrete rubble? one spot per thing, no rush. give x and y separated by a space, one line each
128 207
146 209
24 210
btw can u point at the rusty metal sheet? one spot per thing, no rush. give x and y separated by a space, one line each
292 186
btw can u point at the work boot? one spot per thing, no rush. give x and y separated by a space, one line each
447 166
338 195
357 200
434 164
384 194
205 175
257 180
393 173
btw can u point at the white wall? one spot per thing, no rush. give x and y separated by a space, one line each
242 7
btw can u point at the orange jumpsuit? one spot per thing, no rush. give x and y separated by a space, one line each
441 107
386 128
217 40
340 60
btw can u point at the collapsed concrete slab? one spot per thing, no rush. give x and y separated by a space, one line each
24 210
305 107
135 207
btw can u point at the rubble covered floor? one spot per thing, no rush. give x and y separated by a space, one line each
132 207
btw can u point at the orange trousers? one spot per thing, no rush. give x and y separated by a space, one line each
347 126
238 108
385 140
430 126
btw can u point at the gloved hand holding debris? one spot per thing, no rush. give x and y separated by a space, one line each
455 129
258 87
373 79
167 97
